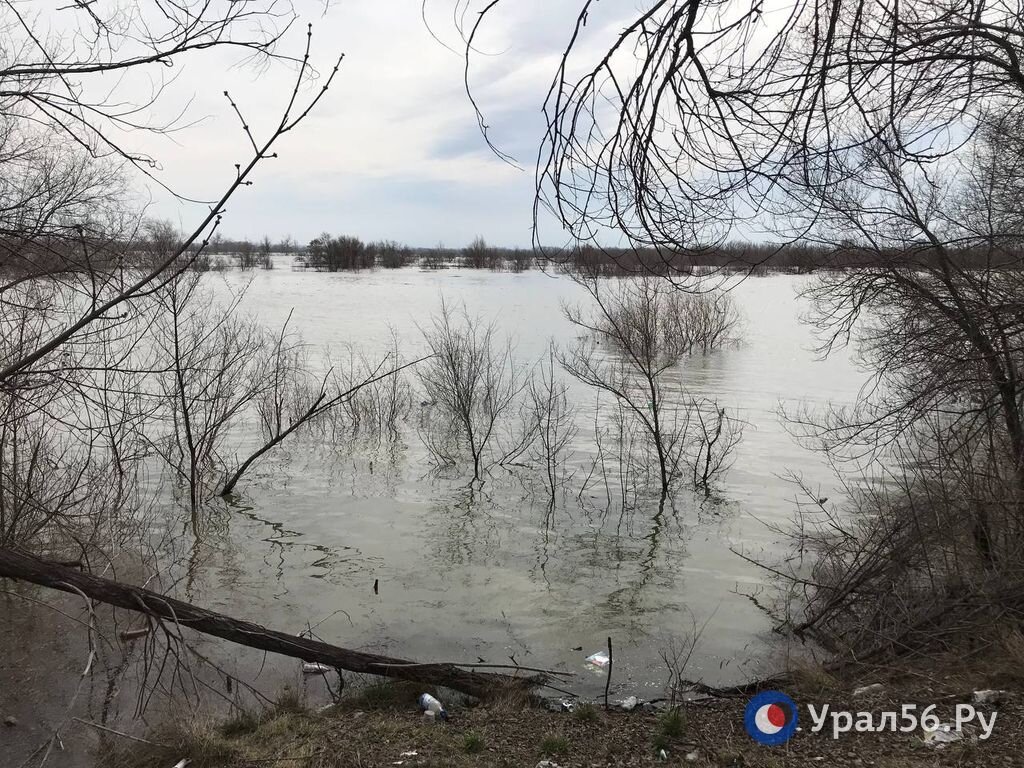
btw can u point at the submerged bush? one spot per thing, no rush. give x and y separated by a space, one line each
471 385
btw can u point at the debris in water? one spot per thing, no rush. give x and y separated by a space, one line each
599 659
315 668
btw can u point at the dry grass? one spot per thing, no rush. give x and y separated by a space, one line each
586 712
554 745
1012 647
810 678
504 735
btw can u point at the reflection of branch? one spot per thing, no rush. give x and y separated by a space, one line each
55 737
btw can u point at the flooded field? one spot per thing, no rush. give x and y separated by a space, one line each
490 570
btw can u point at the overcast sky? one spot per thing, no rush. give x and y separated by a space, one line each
393 151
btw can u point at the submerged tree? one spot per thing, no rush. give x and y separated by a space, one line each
80 278
471 384
216 368
639 331
338 254
551 424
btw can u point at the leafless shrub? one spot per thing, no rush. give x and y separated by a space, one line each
924 558
701 321
71 440
624 455
55 489
718 435
551 423
471 385
380 403
360 399
213 373
676 653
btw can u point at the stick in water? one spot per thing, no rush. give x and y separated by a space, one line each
608 680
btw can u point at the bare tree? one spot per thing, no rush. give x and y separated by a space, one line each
391 255
245 253
265 257
934 311
478 254
637 339
106 284
694 118
720 433
335 254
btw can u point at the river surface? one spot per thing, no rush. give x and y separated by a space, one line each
492 572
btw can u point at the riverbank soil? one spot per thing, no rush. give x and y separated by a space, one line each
381 726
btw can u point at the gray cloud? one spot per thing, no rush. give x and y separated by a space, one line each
394 150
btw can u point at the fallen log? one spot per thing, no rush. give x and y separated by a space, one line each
25 567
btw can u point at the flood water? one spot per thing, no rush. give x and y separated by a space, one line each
492 572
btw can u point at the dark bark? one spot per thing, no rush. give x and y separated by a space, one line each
25 567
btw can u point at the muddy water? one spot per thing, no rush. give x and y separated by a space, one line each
489 572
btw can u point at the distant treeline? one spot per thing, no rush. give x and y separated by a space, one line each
328 253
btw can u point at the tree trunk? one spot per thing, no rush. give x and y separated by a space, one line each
25 567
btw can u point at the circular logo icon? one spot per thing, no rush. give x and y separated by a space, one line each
770 718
